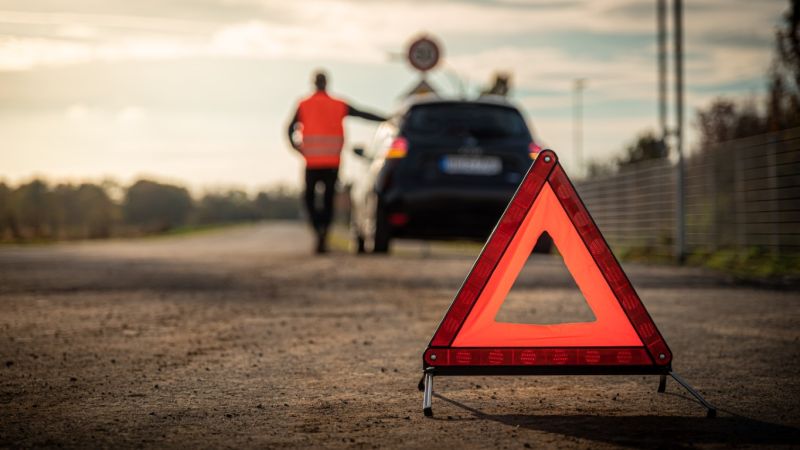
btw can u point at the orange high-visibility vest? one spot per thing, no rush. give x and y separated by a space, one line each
323 134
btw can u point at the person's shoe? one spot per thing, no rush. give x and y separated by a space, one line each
321 246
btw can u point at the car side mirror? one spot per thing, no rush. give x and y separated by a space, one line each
359 150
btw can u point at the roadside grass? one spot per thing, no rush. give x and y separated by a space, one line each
752 264
197 229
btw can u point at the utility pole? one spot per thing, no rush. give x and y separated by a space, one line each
680 216
578 85
661 9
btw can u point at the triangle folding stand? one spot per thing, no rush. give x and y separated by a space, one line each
622 340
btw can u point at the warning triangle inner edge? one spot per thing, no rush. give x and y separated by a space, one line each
611 328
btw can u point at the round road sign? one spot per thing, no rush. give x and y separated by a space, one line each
424 54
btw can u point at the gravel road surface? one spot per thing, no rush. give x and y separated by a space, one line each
239 337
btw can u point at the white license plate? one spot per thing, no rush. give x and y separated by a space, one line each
471 165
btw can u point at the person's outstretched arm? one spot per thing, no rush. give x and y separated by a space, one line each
365 115
295 120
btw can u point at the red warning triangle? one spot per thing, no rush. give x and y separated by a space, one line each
621 339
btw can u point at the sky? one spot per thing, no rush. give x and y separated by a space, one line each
199 92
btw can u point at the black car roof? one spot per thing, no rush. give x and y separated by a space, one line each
434 99
429 99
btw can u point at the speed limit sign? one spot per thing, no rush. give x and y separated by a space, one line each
424 54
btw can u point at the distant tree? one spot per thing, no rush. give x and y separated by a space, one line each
8 221
80 211
261 204
783 102
66 209
114 190
279 203
231 206
646 147
598 168
156 207
98 211
32 205
725 120
5 209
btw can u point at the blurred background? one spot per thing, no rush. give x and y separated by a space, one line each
122 118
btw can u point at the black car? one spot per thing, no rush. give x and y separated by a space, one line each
439 169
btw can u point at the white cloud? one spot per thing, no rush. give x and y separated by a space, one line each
77 31
714 65
126 116
131 23
27 53
248 39
355 31
258 39
77 113
130 115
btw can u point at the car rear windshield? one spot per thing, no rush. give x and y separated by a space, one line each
453 119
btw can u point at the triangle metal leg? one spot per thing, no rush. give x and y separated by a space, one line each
421 384
662 383
711 409
427 397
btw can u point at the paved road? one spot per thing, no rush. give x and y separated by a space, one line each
240 338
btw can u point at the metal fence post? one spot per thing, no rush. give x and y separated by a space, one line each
772 180
680 219
739 202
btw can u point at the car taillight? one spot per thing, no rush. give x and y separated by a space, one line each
398 149
398 219
534 150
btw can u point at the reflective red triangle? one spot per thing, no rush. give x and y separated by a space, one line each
623 334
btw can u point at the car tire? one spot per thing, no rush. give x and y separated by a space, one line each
544 245
382 236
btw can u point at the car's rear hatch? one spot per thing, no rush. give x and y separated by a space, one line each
465 144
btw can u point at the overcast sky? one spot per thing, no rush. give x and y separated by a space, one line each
199 91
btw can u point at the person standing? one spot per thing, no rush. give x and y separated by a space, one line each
317 132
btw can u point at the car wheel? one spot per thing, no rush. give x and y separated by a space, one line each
382 236
544 244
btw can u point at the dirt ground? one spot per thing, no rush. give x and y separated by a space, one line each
241 338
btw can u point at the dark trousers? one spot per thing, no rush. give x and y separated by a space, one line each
320 218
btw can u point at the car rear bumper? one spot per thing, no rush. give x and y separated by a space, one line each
446 213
